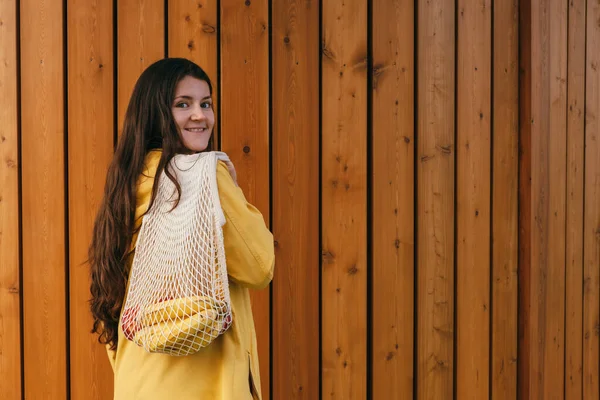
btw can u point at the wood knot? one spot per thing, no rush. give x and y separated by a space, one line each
327 52
445 149
206 28
327 257
11 163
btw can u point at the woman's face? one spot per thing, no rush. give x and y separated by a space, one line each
193 113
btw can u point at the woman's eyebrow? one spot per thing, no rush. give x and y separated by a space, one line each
186 97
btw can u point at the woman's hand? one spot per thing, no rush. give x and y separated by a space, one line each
223 157
232 172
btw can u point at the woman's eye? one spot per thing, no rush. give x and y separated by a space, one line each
181 105
206 105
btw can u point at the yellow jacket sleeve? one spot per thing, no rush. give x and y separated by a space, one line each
249 246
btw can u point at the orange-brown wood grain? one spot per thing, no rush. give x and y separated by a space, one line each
548 189
505 201
141 37
574 217
244 127
525 166
193 34
393 187
435 197
90 144
473 195
591 251
43 200
10 285
470 165
295 149
554 298
344 200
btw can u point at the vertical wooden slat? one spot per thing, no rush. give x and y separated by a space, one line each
295 68
43 207
574 231
591 271
554 302
141 37
393 189
10 309
505 200
524 272
245 127
435 182
193 34
343 199
473 152
90 143
548 190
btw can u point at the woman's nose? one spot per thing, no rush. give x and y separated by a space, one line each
197 114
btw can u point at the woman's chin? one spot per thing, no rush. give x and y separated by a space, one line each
197 147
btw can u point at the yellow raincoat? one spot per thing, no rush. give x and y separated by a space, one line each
227 369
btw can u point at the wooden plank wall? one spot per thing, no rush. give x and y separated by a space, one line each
591 212
344 199
559 244
473 199
575 198
90 141
43 202
10 234
435 206
244 126
505 207
429 170
295 96
393 214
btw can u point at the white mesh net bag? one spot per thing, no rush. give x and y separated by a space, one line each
178 295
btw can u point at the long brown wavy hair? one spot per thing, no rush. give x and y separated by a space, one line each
148 125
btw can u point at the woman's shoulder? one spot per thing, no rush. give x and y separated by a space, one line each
151 161
146 179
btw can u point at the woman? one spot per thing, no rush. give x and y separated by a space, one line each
170 112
